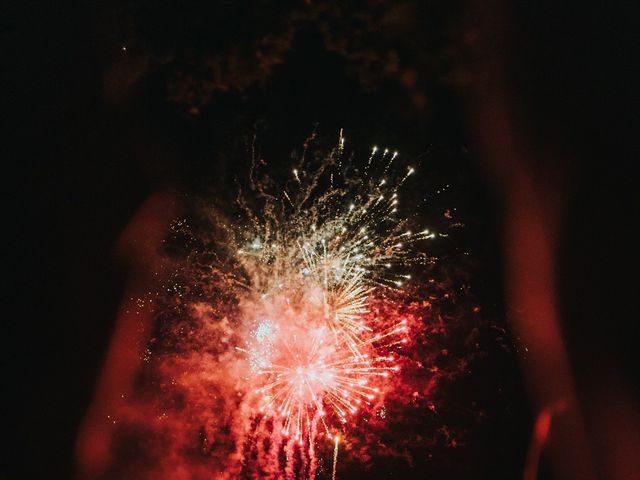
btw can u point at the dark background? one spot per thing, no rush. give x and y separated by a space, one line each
100 128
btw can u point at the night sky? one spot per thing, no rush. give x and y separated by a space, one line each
111 103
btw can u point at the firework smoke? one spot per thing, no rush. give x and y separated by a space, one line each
287 329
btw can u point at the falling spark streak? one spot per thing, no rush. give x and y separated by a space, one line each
335 458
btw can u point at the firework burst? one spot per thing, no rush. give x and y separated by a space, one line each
306 260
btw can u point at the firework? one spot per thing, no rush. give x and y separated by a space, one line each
290 328
306 260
